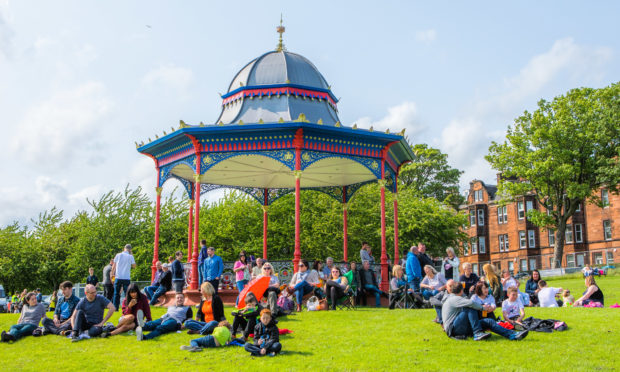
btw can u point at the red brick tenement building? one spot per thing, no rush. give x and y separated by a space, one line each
502 235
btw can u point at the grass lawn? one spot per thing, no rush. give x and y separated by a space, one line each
365 339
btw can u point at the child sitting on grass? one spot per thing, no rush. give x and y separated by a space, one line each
266 336
245 318
567 298
512 307
219 337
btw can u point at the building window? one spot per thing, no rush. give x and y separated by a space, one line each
499 215
605 197
532 264
597 258
531 238
578 207
511 266
505 213
520 210
502 214
472 217
607 229
465 249
569 234
529 205
501 243
522 240
550 262
523 265
506 242
480 217
474 246
474 268
498 264
578 233
482 244
610 257
478 195
570 260
551 237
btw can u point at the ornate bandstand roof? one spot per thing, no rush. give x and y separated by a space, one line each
279 116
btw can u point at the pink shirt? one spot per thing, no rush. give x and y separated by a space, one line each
239 273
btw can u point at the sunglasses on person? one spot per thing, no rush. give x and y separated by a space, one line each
267 268
301 265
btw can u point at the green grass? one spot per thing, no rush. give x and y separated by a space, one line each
366 339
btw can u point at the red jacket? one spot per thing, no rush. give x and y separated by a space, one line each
143 304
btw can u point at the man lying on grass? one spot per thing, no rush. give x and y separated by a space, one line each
461 319
171 321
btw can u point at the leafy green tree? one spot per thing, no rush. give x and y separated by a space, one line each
430 176
562 153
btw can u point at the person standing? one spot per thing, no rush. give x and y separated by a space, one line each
201 261
423 257
450 265
108 287
258 269
365 253
92 278
39 295
242 271
213 268
327 269
178 273
121 269
414 270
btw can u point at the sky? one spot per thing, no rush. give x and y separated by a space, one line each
81 81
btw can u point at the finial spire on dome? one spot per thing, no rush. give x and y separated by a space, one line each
280 29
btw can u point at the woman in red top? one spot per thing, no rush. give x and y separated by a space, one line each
133 302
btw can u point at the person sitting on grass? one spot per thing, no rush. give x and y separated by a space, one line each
369 283
532 288
547 295
88 314
461 320
592 294
512 307
266 337
567 298
508 281
163 285
336 286
61 324
469 278
134 302
495 286
171 321
303 282
221 336
209 313
481 296
245 318
433 282
32 313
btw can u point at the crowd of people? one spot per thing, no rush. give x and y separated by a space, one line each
465 304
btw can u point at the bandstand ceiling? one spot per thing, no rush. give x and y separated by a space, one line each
265 172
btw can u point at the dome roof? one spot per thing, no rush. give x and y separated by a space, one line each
279 86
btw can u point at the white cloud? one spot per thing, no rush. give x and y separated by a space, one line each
6 32
426 36
54 132
403 116
170 76
467 138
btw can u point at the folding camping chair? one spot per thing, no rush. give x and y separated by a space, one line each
403 298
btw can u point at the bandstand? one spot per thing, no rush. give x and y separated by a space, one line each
278 133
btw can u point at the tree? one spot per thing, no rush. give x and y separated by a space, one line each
562 153
430 175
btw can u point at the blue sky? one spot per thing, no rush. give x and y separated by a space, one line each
80 81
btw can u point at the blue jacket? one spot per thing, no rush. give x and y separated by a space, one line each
531 287
213 267
177 270
202 256
71 303
413 267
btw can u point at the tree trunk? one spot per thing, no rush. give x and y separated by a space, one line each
558 250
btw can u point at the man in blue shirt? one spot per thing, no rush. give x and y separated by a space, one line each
64 309
201 261
213 268
88 314
414 271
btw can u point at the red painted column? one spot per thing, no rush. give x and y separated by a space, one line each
396 222
345 225
384 264
265 221
194 274
297 254
190 231
156 242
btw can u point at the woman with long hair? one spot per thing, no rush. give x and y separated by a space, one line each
336 286
491 278
209 312
450 265
242 271
531 287
592 294
32 313
134 302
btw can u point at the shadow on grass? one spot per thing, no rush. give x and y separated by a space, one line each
295 352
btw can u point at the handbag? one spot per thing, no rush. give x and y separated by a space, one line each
246 275
313 303
323 304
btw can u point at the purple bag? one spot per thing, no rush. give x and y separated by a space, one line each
286 303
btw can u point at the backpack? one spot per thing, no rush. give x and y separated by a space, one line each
286 303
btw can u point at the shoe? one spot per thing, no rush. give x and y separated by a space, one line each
193 332
520 335
272 354
139 334
436 320
190 348
481 336
75 338
140 317
3 336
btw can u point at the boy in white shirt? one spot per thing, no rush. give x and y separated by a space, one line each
512 308
546 295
